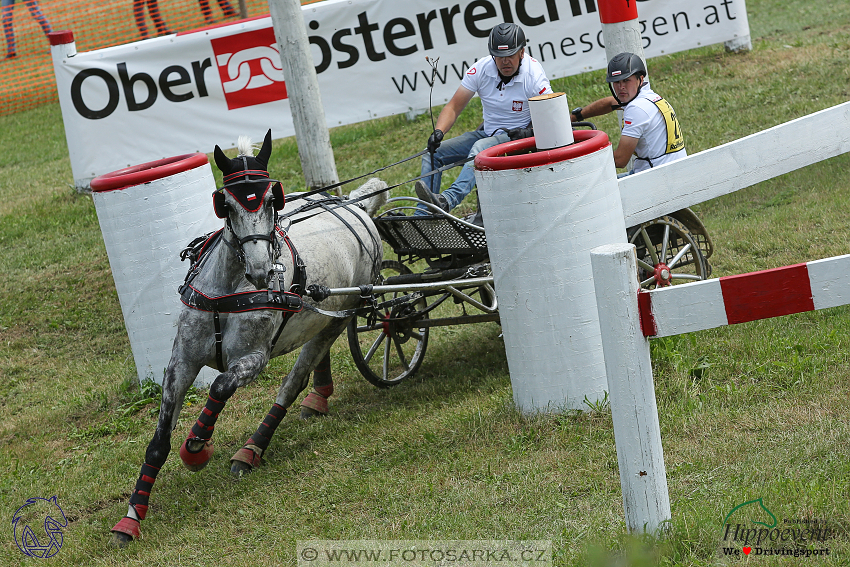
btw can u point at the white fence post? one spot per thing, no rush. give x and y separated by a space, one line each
643 476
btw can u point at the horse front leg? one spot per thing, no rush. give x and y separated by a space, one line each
197 449
178 378
314 355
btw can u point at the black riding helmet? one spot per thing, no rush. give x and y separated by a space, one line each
622 66
505 40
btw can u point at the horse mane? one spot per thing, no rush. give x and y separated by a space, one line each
245 147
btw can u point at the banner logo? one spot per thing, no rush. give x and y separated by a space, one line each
751 530
39 512
250 68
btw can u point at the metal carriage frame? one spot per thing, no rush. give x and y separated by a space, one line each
441 277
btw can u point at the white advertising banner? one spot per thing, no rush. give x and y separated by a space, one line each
185 93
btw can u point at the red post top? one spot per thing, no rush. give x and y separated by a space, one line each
60 37
616 11
520 154
147 172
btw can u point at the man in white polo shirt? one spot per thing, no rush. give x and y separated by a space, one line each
650 129
504 82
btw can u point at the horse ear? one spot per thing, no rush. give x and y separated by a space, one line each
266 150
221 160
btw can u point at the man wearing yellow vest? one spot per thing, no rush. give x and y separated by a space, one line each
650 129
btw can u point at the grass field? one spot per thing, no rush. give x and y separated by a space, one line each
760 410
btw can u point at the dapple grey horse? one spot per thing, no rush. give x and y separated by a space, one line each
245 303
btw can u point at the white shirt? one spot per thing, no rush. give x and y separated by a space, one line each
508 107
643 120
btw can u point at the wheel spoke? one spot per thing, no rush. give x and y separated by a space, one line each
645 266
679 256
374 348
665 241
416 335
646 282
401 356
386 365
685 277
650 247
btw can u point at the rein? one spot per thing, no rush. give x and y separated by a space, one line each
318 203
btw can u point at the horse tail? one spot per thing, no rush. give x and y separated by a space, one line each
375 202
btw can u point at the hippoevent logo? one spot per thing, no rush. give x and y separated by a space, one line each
28 521
750 529
249 67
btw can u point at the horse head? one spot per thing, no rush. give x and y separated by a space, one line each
249 202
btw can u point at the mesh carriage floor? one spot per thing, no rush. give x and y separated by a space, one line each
429 236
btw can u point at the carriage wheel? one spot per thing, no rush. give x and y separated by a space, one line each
388 347
667 253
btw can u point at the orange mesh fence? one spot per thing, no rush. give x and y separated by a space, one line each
26 65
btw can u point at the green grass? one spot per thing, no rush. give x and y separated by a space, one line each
758 410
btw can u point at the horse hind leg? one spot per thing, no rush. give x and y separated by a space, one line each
316 402
314 355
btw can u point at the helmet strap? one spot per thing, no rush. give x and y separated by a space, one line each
503 80
622 104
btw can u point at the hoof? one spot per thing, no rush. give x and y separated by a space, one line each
195 458
307 413
125 531
244 461
239 469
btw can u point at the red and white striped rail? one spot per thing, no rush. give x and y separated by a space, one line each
627 317
730 300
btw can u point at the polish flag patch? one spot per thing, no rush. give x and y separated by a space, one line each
252 196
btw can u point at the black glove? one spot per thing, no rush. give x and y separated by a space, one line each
434 140
520 133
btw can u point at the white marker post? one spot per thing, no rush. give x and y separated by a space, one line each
637 433
543 212
148 213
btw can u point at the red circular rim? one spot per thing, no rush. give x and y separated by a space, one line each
147 172
508 156
60 37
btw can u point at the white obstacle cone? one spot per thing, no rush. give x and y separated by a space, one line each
148 213
543 212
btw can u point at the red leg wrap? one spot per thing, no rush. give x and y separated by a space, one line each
247 456
317 402
128 526
325 391
196 461
141 510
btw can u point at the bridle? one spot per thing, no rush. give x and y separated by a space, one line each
244 177
237 245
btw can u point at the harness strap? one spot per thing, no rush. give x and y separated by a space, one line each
241 302
219 357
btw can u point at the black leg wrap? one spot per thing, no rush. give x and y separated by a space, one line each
203 428
267 428
142 492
